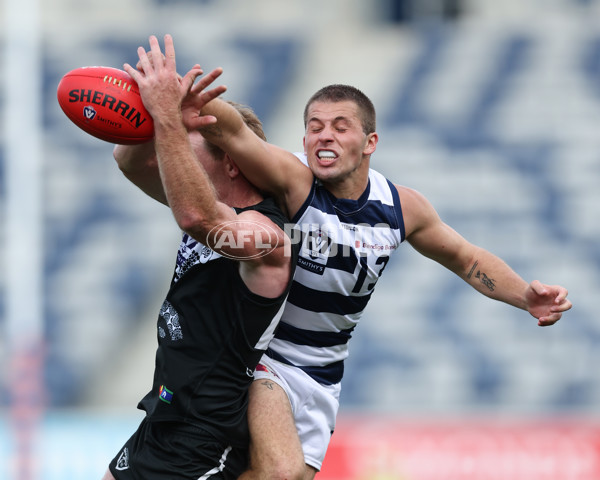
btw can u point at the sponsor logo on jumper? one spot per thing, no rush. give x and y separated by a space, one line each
165 394
373 246
126 111
311 266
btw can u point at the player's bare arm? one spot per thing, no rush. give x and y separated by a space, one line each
481 269
138 164
267 166
252 238
259 244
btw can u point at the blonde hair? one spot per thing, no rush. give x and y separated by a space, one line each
249 118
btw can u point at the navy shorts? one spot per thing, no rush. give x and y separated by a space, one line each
174 450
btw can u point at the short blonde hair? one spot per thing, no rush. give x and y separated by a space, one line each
249 118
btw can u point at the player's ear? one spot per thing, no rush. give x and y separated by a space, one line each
371 144
231 168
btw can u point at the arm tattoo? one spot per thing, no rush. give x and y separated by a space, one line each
487 281
472 268
268 384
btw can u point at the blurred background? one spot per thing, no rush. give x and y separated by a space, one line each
491 109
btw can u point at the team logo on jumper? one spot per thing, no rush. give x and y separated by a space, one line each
170 315
316 249
165 394
317 244
89 113
123 460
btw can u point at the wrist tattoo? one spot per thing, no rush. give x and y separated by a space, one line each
485 280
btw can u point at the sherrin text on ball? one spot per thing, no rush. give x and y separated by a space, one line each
105 102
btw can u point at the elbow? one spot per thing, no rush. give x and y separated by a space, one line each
193 222
132 159
120 157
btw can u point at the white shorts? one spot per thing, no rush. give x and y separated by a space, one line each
314 406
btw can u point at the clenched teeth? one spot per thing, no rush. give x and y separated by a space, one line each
326 154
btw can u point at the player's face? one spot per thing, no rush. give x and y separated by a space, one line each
335 144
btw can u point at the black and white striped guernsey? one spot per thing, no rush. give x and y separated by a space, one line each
345 246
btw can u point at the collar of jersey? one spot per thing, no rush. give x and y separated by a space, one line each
347 205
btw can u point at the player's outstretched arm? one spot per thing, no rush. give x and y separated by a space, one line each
269 167
138 162
250 237
481 269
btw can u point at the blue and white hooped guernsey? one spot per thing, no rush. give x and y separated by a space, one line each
346 245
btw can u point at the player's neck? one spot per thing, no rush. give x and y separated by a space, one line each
243 196
352 187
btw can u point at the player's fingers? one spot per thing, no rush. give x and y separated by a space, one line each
144 62
562 306
203 121
538 287
139 65
156 53
213 93
133 72
188 79
549 320
150 59
169 52
562 295
207 80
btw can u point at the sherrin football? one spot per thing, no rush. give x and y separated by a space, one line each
105 102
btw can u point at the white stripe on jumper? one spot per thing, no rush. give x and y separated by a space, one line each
218 469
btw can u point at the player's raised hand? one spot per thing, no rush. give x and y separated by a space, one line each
197 98
138 65
547 302
161 88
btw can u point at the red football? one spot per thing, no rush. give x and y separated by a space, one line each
105 102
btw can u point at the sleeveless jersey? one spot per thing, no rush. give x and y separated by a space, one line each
345 245
212 331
